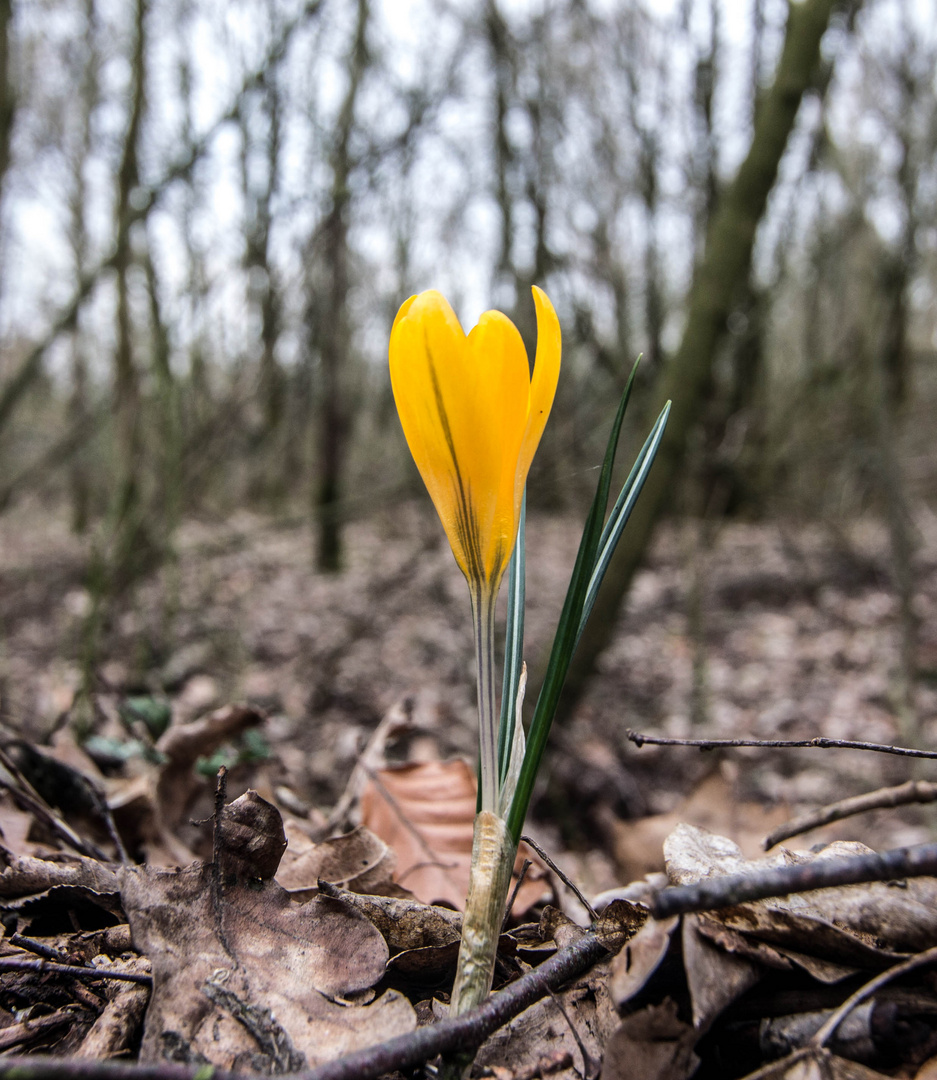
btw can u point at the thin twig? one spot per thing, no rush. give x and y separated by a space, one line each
826 1032
517 888
568 882
28 799
39 948
76 971
466 1033
819 743
719 892
912 791
590 1066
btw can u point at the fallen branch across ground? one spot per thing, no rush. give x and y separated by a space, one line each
911 791
818 743
466 1033
720 892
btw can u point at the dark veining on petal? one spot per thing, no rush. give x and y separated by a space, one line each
466 519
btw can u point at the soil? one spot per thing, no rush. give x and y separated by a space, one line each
796 635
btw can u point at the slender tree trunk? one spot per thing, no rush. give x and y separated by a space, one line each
723 269
130 544
890 386
78 408
7 92
499 43
331 329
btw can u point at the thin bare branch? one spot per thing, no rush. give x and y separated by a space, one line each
912 791
819 743
720 892
145 197
73 971
568 882
826 1032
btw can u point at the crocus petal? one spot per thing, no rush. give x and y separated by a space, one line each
472 420
542 387
498 360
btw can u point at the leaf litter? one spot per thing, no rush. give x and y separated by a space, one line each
720 993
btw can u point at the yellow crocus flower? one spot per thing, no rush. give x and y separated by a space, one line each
473 417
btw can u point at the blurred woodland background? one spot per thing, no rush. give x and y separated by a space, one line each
211 211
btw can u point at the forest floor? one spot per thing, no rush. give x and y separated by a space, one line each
795 635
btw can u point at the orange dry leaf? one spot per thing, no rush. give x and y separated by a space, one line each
425 812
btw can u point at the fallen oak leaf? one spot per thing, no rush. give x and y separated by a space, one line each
405 924
357 861
25 875
869 925
425 812
243 977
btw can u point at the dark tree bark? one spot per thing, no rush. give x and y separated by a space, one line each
131 547
723 270
7 93
330 313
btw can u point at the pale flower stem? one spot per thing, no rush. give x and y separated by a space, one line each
483 615
493 853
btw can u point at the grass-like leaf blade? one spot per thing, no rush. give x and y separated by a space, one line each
567 631
621 511
513 645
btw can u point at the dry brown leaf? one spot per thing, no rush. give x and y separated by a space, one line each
15 827
868 925
183 745
358 861
425 811
640 958
815 1064
715 978
407 924
586 1006
24 875
246 979
653 1044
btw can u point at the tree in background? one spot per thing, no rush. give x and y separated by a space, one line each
208 223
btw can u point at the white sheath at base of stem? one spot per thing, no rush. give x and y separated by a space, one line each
493 853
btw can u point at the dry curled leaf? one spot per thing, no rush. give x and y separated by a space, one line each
868 925
358 861
653 1044
635 964
245 978
425 811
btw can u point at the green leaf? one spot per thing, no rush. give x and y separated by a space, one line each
155 713
513 646
621 511
567 631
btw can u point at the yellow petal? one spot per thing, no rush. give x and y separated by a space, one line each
495 424
472 420
542 387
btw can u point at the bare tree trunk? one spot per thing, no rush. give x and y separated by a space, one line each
890 386
7 92
264 293
724 268
499 42
130 543
331 328
78 409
